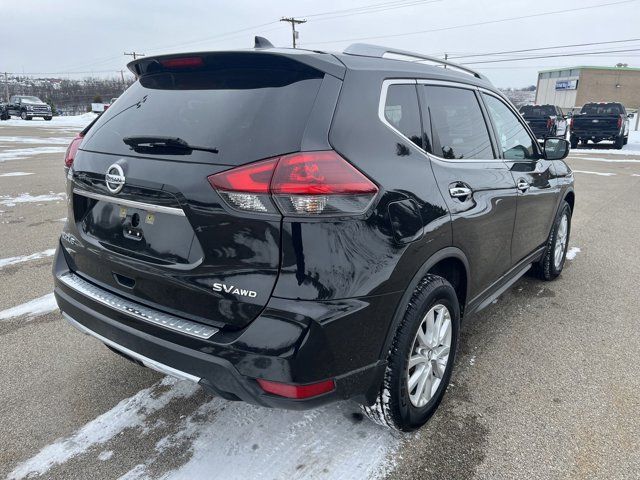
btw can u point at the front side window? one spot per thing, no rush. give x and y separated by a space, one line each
401 111
513 140
457 123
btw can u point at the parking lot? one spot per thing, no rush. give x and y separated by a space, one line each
546 384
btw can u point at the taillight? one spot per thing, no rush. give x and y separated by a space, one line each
550 122
305 183
620 121
72 149
296 391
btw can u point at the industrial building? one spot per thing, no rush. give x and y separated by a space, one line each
573 87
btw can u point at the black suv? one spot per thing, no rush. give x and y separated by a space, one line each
291 228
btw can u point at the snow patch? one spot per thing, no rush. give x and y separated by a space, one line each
16 174
79 121
602 174
130 412
38 140
26 258
572 252
21 153
27 198
608 160
316 444
105 455
34 308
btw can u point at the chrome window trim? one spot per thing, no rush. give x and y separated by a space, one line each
420 81
149 207
146 361
136 310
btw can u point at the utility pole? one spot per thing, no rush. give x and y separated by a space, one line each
293 22
446 57
6 87
134 54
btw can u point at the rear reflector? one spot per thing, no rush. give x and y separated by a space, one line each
72 150
296 391
182 62
306 183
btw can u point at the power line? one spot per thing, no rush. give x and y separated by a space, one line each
545 48
551 56
467 25
134 54
363 7
369 9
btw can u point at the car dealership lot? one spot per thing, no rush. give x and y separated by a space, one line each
546 383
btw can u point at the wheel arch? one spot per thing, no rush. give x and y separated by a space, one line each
570 198
448 263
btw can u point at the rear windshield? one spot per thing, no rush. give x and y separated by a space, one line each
602 109
245 112
538 110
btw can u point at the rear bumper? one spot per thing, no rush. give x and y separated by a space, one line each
596 134
283 345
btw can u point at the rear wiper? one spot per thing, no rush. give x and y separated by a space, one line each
145 144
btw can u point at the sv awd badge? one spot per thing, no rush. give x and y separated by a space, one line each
233 290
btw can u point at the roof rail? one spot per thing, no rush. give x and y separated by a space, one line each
376 51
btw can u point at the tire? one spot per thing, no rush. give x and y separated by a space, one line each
619 142
626 140
573 141
585 141
551 264
47 118
434 301
23 115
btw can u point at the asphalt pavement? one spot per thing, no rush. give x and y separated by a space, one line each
546 384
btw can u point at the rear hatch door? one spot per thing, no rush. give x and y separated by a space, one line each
146 222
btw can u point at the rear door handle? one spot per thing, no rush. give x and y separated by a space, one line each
523 185
459 191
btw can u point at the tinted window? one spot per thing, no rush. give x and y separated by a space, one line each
457 122
401 111
513 139
247 113
538 110
602 109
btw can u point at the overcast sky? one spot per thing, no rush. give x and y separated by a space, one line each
91 36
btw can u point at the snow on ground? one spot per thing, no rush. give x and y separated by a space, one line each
233 439
34 308
28 198
572 252
16 174
79 121
632 148
130 412
607 160
37 140
602 174
20 153
4 262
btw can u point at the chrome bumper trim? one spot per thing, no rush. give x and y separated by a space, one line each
149 207
146 361
135 310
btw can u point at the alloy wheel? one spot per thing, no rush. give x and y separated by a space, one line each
561 241
429 355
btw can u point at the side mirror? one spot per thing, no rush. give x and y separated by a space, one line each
555 148
630 115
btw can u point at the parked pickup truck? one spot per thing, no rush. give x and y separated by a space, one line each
600 121
27 107
545 120
4 113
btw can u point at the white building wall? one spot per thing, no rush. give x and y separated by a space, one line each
546 92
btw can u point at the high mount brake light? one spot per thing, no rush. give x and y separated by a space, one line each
72 150
182 62
300 184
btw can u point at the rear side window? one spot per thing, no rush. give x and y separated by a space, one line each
247 112
538 110
513 140
402 112
457 123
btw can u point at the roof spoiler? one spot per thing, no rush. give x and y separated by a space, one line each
261 42
376 51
